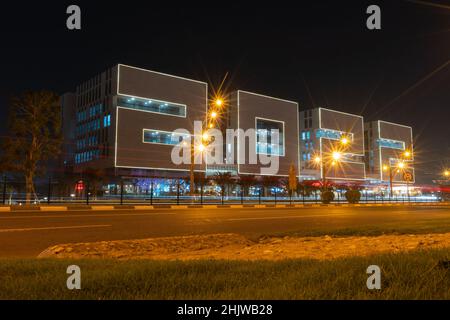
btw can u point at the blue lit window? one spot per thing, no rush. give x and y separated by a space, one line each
107 121
163 137
391 144
264 137
152 105
332 134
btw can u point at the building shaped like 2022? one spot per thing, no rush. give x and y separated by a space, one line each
123 120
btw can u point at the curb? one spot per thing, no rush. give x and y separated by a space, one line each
55 208
208 206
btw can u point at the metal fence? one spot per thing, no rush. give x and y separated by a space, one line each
52 192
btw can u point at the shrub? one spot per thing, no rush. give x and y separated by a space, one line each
327 197
353 196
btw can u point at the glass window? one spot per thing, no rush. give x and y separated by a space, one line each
303 135
265 143
106 121
163 137
391 144
152 105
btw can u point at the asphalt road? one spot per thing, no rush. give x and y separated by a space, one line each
26 234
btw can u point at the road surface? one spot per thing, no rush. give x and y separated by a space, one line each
26 234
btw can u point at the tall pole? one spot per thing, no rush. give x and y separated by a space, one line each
322 172
178 192
151 193
390 183
121 192
191 168
407 190
4 189
201 192
87 193
49 191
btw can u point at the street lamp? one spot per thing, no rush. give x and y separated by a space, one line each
345 141
389 168
219 102
447 173
335 158
336 155
201 147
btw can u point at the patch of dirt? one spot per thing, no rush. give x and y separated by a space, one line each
237 247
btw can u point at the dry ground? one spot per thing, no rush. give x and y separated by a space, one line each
237 247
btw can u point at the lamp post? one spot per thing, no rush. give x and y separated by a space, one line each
389 168
401 166
336 157
210 118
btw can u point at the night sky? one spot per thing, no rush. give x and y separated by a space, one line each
319 53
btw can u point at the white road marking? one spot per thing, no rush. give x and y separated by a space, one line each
56 228
288 217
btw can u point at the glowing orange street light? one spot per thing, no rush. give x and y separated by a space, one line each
336 155
345 141
401 165
205 136
201 147
213 115
407 154
219 102
317 159
447 173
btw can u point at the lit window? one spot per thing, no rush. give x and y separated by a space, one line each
163 137
156 106
107 121
267 141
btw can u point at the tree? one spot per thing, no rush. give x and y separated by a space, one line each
292 186
197 181
246 181
223 179
305 190
34 135
95 178
270 181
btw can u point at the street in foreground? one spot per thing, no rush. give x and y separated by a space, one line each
418 272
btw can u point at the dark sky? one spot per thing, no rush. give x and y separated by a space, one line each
319 53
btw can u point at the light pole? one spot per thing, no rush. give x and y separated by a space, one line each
389 168
401 166
210 119
319 161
